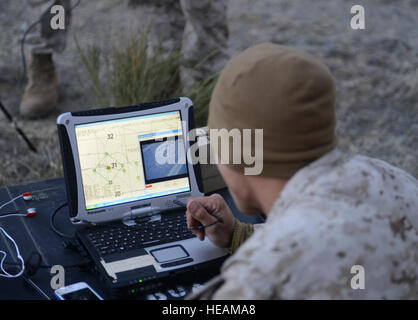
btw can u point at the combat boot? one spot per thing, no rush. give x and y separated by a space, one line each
41 92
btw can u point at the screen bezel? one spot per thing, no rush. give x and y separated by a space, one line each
123 210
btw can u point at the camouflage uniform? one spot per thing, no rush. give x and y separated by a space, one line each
332 215
199 27
42 38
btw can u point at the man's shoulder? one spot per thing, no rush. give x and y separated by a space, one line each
308 254
376 169
325 225
336 163
354 180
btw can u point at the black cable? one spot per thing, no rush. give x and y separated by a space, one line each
12 121
35 266
38 290
32 264
22 43
52 223
45 266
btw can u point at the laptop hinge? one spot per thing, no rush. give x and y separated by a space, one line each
129 218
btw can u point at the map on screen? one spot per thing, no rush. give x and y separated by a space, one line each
120 160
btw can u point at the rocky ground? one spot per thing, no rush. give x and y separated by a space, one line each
376 70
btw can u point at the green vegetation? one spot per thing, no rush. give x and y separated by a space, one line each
127 75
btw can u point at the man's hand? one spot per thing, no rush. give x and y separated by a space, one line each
199 212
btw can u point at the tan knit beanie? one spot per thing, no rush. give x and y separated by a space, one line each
287 93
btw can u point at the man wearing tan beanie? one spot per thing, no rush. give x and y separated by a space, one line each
337 227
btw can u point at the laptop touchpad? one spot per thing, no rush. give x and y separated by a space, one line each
169 253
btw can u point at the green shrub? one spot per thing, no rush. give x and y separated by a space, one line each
127 75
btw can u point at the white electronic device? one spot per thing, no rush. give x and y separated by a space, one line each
77 291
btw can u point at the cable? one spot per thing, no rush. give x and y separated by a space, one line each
5 273
30 213
22 44
25 196
16 127
13 215
9 202
35 287
32 263
52 223
46 266
31 267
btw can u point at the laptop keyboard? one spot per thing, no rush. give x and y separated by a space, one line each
120 238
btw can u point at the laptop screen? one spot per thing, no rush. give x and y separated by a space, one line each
132 159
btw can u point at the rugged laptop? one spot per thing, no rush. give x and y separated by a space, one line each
126 172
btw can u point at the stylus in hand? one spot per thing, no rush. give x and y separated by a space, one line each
218 219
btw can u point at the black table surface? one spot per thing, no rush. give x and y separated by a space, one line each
34 235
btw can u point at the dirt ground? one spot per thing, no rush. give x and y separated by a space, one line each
376 70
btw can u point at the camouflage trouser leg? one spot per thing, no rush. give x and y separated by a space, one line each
205 39
42 38
197 27
165 23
